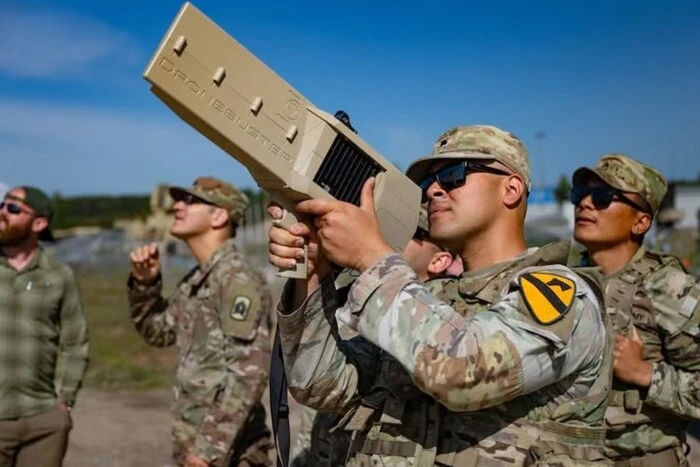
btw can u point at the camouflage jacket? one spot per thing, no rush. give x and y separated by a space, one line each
467 373
655 294
220 318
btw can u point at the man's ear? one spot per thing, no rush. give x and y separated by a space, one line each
642 223
439 263
39 224
220 218
514 191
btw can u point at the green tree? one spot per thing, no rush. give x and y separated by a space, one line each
562 190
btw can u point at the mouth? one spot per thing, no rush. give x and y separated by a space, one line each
436 210
585 220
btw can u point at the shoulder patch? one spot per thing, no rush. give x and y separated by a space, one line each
548 296
240 311
241 307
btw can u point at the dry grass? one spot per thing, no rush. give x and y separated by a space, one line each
119 358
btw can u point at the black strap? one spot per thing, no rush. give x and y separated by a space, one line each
279 407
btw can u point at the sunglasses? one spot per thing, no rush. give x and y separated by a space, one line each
455 176
602 197
421 234
190 199
12 208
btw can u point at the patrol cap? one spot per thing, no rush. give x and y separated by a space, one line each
216 192
41 205
423 218
483 142
628 175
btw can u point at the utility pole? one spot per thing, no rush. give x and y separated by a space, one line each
540 136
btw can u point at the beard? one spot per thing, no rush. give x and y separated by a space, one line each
13 235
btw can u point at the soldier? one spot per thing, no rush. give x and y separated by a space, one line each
509 364
219 317
654 306
316 445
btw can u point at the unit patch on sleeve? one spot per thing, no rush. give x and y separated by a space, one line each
548 296
241 307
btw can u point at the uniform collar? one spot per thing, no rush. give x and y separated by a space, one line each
638 255
203 271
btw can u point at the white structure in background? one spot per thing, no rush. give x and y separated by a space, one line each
688 200
546 217
3 189
542 205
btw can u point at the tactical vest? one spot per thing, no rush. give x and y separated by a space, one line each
396 420
628 303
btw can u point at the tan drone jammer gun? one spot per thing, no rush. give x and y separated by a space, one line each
293 150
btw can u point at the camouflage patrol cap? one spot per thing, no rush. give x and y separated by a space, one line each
476 142
216 192
423 218
628 175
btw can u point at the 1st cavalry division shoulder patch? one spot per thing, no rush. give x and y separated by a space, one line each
547 296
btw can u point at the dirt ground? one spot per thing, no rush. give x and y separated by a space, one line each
132 429
127 429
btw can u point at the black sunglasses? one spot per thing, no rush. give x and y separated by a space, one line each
602 197
421 234
455 175
12 208
190 199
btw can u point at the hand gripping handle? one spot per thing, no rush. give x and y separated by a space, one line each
300 270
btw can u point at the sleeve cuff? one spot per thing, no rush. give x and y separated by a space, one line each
291 321
137 288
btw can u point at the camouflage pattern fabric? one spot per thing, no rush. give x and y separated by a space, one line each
480 382
302 448
476 142
218 193
628 175
655 294
219 317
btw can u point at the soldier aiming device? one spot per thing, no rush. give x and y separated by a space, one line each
293 150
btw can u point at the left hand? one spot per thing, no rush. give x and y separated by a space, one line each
350 236
630 366
193 461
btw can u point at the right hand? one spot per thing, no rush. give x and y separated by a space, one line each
145 264
287 246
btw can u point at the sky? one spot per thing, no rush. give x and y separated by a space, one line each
77 117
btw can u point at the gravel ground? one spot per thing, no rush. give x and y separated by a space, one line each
132 429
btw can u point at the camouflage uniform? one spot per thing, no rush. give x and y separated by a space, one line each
509 365
654 293
219 317
319 443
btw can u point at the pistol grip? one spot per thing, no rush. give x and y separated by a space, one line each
300 270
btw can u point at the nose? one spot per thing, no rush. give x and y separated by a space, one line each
586 203
435 191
